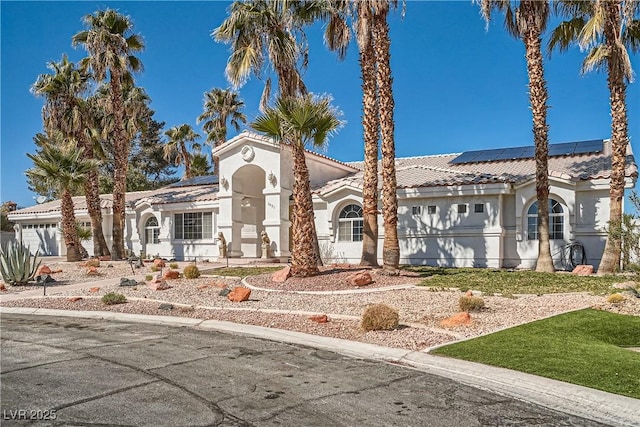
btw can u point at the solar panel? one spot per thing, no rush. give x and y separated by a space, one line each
528 152
198 180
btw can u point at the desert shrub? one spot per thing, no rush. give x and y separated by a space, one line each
470 303
148 278
191 272
379 317
154 268
615 298
93 262
16 264
113 298
173 265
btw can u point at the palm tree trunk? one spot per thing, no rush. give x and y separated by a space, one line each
71 240
187 160
538 99
619 139
92 196
371 128
121 160
391 247
303 257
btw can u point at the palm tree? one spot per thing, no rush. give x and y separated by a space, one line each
338 36
384 81
527 20
61 165
606 29
270 30
66 111
297 123
111 45
176 147
220 106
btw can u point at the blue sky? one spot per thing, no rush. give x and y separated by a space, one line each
457 86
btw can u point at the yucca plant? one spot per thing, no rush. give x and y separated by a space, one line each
16 265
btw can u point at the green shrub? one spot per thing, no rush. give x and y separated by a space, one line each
379 317
16 265
148 278
191 272
173 265
113 298
470 303
615 298
93 262
154 268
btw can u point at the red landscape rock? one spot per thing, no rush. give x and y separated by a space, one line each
281 276
583 270
158 286
92 271
458 319
171 274
44 269
96 289
75 299
362 278
2 287
319 318
203 287
239 294
159 262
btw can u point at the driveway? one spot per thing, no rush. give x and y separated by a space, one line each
98 372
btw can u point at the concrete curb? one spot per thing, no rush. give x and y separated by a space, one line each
572 399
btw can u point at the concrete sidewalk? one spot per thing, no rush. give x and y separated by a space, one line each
572 399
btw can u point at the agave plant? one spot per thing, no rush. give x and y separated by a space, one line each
16 265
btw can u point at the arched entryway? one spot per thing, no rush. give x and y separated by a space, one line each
249 209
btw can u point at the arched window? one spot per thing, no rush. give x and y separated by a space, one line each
556 221
152 231
350 224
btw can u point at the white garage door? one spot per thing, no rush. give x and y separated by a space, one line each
42 237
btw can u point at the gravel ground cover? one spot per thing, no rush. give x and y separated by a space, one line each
420 309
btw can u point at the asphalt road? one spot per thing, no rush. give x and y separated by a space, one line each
70 371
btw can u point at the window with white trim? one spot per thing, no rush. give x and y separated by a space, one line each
193 225
350 224
431 209
462 208
416 210
556 221
152 231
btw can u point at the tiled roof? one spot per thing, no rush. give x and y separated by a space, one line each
437 171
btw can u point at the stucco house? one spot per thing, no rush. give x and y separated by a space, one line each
476 208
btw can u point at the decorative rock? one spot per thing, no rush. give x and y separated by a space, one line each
44 269
92 271
109 265
239 294
281 276
583 270
158 262
95 289
75 299
203 287
224 292
165 306
128 282
471 293
171 274
319 318
158 283
2 287
362 278
624 285
105 258
458 319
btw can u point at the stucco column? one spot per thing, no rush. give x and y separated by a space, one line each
229 203
276 220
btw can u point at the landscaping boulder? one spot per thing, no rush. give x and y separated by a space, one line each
171 274
128 282
224 292
459 319
158 262
75 299
281 276
165 306
44 279
94 289
239 294
624 285
158 283
583 270
362 278
319 318
92 271
44 269
2 287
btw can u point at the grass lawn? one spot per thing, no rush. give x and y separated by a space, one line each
515 282
240 271
584 347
